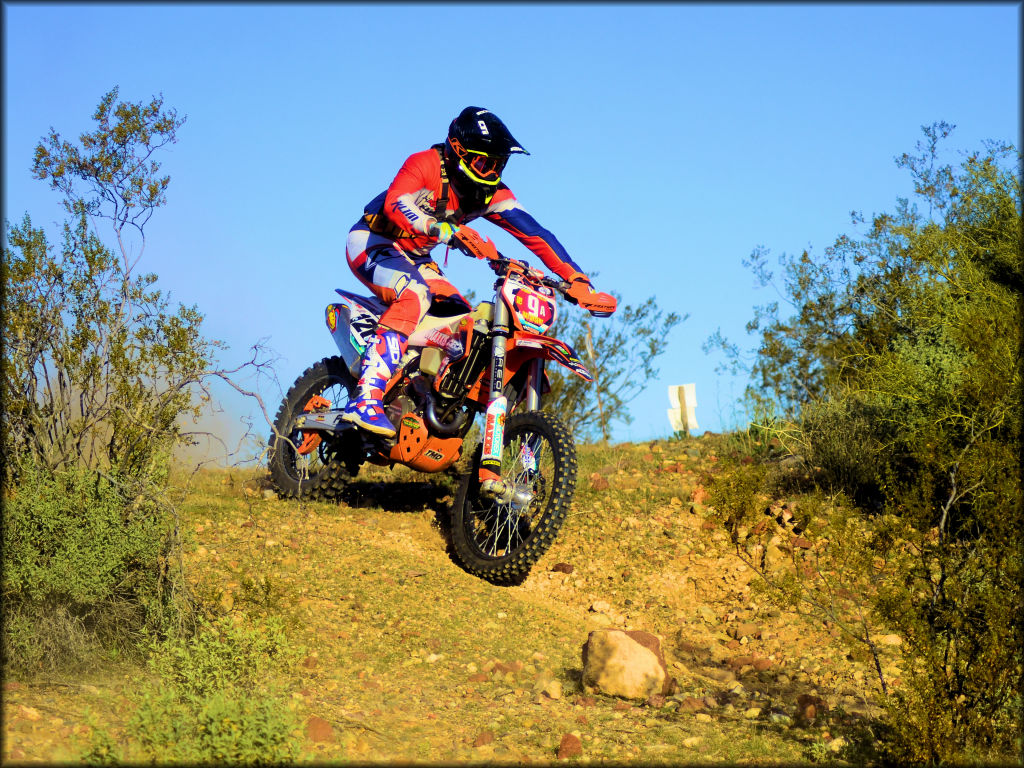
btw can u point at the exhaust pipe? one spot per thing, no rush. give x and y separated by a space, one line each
430 411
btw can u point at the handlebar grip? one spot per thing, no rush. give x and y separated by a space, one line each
472 243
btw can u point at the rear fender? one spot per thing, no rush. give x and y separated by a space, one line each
352 322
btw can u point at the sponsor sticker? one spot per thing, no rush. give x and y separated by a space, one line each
528 458
534 310
498 378
494 431
363 326
404 209
452 346
392 346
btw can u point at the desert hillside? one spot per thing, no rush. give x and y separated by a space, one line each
390 652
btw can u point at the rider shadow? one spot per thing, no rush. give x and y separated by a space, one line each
406 496
400 496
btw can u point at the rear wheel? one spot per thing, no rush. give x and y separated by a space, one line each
302 464
501 542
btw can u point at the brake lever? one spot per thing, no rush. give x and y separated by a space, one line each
562 286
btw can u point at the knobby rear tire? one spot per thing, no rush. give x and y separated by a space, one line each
478 524
320 474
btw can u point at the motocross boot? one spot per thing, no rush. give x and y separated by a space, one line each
379 363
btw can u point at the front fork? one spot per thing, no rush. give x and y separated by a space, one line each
491 484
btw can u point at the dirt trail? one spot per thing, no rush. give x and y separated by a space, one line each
409 658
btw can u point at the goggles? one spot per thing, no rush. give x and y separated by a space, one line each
479 166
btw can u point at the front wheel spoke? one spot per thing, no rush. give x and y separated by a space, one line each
485 536
496 530
524 456
528 466
512 528
485 530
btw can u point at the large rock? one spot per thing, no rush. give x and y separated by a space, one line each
626 663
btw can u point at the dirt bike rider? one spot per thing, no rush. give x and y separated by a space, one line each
436 192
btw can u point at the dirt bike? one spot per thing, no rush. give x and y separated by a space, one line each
461 361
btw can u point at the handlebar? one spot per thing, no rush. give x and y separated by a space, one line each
472 244
500 264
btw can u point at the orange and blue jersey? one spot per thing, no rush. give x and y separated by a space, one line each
408 205
389 248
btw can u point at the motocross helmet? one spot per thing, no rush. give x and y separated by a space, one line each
478 147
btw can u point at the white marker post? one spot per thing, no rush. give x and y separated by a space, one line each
683 398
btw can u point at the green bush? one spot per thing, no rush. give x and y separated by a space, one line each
900 370
212 699
70 536
221 655
845 438
218 727
81 563
99 373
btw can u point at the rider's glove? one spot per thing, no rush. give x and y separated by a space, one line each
472 243
583 293
579 286
443 231
579 290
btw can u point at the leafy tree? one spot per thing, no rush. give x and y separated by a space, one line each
619 352
899 376
97 368
98 371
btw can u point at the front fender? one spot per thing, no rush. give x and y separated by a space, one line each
525 345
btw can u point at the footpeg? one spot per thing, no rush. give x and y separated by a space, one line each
327 421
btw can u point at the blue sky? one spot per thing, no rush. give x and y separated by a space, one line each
667 141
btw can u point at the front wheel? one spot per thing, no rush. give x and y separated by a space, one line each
303 465
500 542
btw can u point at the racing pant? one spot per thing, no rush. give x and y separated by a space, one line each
405 283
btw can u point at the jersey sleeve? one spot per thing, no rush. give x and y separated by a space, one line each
506 211
409 200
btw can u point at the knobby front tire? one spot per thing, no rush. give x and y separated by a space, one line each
501 542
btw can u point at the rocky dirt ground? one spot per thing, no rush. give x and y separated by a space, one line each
405 657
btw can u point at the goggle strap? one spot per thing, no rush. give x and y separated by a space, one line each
441 207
